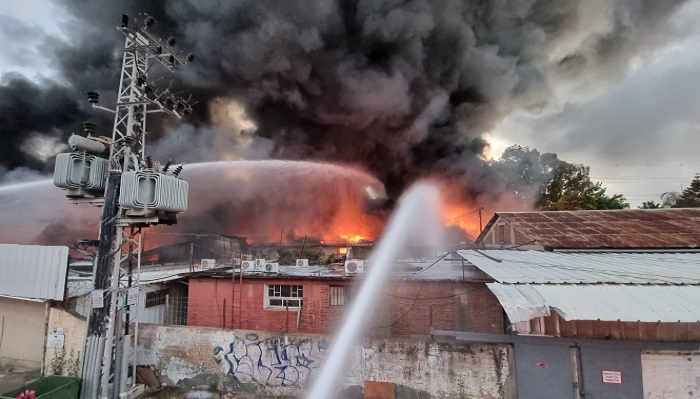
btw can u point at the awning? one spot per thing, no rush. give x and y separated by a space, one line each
606 302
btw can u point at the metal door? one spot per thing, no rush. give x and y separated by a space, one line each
543 371
611 371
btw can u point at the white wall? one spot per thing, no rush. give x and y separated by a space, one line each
22 332
283 364
74 329
671 374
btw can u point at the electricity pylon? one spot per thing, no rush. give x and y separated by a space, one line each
109 346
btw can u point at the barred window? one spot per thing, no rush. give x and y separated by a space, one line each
283 296
339 295
156 298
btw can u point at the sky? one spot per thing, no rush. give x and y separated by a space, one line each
630 113
639 134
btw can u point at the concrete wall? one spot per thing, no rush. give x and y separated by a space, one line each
22 332
283 365
74 329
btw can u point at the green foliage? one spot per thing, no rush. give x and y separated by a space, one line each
690 197
552 184
649 205
58 362
289 256
73 364
60 365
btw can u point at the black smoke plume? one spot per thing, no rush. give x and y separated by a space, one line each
403 88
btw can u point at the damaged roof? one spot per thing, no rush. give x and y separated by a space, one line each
606 229
646 287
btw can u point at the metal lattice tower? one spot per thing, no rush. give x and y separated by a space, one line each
109 346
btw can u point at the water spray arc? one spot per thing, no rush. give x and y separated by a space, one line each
133 191
418 216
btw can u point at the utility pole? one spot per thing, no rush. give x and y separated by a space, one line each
134 193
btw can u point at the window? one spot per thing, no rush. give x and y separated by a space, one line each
156 298
339 295
283 296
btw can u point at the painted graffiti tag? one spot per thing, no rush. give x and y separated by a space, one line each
270 362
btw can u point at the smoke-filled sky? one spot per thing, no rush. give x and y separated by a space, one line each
403 89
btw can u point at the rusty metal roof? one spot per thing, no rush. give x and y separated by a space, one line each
600 229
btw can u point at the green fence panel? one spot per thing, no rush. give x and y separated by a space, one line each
49 387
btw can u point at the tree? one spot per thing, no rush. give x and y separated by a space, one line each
553 184
669 198
649 205
690 197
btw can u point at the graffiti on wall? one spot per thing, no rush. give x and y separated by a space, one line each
270 362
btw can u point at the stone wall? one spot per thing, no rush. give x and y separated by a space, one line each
285 364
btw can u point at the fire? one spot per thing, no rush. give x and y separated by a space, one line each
353 238
460 212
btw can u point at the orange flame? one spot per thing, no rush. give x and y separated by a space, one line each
460 212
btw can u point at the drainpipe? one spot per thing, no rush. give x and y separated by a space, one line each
47 308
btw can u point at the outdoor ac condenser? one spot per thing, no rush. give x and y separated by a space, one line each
272 267
248 265
354 266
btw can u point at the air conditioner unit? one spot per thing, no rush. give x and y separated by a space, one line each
302 262
260 264
208 263
354 266
248 265
272 268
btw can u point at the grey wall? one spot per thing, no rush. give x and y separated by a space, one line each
283 364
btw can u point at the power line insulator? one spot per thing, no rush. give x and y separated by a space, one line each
171 41
190 57
89 128
149 21
125 21
93 97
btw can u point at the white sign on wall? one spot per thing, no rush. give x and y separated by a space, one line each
612 377
132 297
55 341
98 299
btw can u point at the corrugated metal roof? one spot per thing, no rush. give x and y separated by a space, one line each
508 266
628 228
644 303
33 271
442 270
